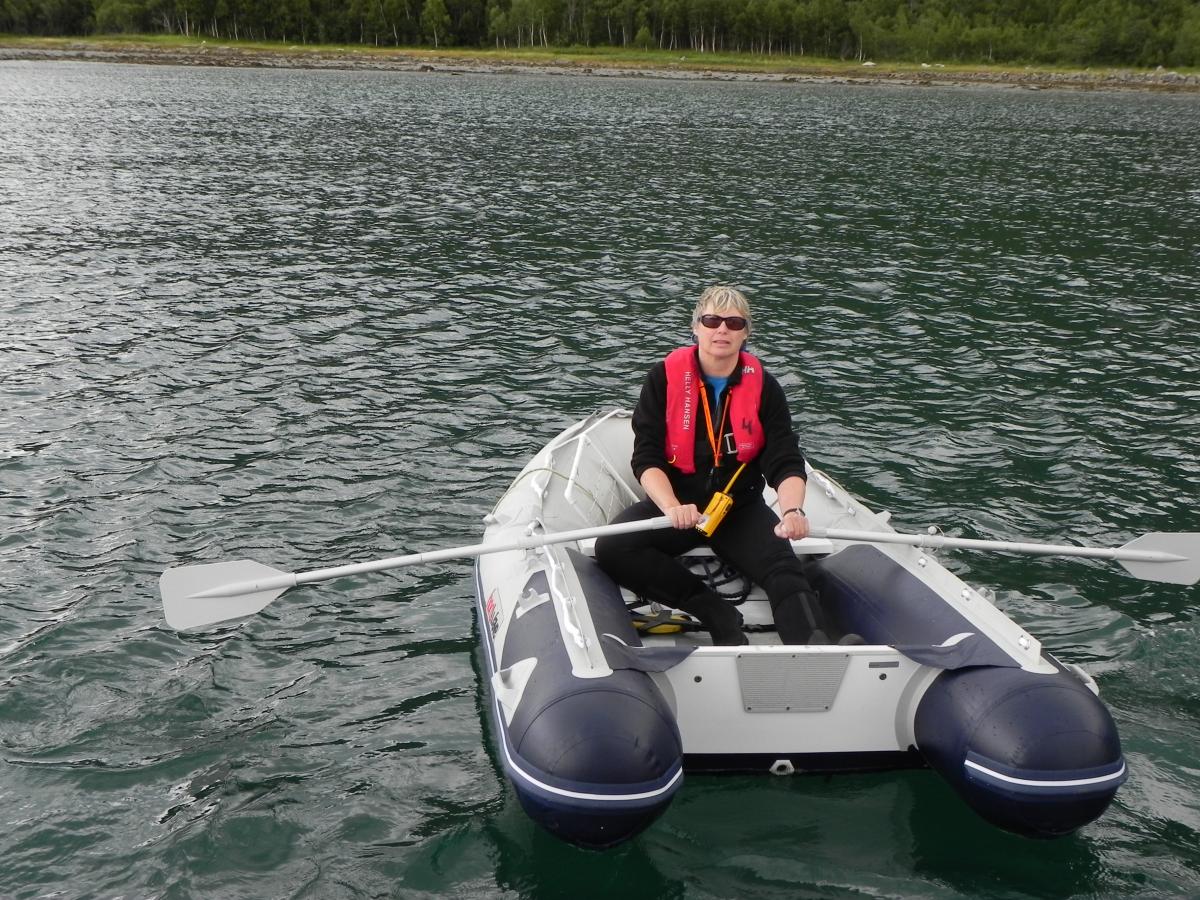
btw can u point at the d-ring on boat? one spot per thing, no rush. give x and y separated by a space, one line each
596 723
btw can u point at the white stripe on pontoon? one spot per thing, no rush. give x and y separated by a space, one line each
579 795
1032 782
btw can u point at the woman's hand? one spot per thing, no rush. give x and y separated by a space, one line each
793 526
658 488
685 516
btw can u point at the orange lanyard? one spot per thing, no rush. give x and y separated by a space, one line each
713 438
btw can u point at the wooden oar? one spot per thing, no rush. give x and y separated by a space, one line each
1167 556
199 596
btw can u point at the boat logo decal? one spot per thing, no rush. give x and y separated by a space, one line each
492 610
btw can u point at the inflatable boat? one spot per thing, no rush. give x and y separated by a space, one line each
601 702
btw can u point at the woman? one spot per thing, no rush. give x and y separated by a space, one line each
709 414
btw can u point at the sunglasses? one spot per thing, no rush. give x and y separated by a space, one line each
733 323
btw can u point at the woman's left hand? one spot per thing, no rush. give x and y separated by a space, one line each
793 527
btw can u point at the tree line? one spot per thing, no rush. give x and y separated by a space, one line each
1144 33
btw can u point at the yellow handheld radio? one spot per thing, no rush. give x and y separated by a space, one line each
717 507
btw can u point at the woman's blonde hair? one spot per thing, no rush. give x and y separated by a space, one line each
721 296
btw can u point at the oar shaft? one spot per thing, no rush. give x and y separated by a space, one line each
413 559
939 541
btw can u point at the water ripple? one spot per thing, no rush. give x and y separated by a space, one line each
323 317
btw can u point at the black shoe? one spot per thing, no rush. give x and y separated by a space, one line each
728 639
719 616
726 627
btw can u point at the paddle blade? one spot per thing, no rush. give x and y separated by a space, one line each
183 609
1184 544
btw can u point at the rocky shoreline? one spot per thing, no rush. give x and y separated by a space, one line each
205 54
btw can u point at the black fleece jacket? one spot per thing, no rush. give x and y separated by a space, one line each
780 457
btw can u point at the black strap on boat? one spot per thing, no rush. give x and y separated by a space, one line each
970 651
720 576
621 655
665 621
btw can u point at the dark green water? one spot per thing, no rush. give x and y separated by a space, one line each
320 317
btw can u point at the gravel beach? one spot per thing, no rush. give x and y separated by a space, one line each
216 54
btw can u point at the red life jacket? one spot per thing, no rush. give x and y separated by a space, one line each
683 408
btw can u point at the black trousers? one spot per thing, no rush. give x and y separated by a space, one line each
646 563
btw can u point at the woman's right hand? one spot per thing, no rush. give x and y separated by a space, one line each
685 516
658 488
